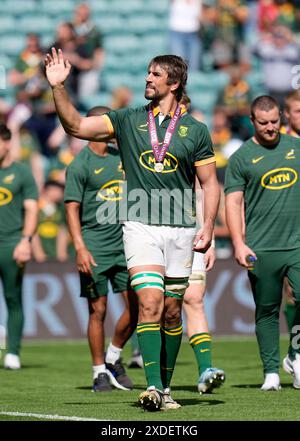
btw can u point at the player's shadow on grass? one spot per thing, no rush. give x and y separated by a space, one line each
84 388
258 386
189 388
136 387
34 366
192 402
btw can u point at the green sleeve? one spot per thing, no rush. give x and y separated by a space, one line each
29 187
204 148
75 183
117 119
20 66
235 178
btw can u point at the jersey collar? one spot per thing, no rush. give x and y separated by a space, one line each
156 111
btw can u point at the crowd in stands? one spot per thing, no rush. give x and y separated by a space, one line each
254 44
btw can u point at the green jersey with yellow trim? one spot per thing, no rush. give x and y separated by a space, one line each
96 182
160 197
269 179
16 185
51 219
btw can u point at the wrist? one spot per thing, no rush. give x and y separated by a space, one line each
26 237
79 248
58 86
237 242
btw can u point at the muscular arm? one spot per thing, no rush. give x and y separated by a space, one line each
234 206
94 128
211 196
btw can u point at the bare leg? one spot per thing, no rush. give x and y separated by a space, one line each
193 306
97 312
200 339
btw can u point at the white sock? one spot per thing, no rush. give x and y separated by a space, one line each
98 369
112 354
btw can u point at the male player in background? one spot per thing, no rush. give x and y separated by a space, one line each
196 321
262 179
18 221
292 127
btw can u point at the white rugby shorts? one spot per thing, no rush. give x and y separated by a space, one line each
170 247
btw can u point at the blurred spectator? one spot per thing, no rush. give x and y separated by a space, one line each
267 15
77 53
184 27
220 135
234 100
121 97
286 14
278 53
292 114
28 62
34 107
90 39
51 239
230 17
64 156
25 148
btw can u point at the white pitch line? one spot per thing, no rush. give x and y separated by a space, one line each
49 417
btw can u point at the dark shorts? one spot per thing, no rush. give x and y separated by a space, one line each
111 268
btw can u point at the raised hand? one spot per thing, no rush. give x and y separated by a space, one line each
57 69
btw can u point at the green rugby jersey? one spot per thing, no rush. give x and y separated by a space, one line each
269 178
160 198
50 219
97 183
16 185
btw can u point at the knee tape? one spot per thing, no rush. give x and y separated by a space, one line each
198 276
147 279
176 287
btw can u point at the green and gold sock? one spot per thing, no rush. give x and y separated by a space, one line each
171 340
201 344
149 339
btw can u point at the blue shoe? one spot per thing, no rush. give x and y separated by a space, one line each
117 376
210 379
101 383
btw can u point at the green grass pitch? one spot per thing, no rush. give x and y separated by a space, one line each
56 380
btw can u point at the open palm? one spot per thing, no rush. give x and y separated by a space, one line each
57 69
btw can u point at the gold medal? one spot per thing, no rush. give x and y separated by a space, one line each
158 167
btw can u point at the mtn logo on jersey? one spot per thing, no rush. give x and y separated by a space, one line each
111 191
279 178
5 196
8 179
170 162
290 154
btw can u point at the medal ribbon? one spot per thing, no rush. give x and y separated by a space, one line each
160 152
